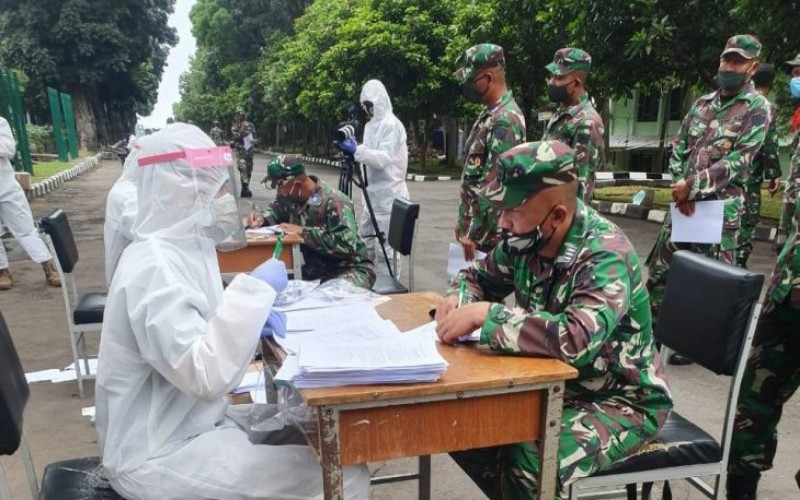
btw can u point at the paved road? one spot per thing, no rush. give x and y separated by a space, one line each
36 316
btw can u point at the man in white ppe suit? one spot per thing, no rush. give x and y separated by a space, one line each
15 214
120 211
384 153
174 344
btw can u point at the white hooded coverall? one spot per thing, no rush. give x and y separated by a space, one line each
174 344
15 213
384 152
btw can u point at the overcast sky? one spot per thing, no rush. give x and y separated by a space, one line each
177 63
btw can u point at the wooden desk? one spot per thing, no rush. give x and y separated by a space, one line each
482 400
257 251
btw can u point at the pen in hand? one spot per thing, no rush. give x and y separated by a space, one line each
462 291
278 247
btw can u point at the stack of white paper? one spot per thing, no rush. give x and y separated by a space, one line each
330 318
391 360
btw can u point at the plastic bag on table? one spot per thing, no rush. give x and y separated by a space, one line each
295 291
338 289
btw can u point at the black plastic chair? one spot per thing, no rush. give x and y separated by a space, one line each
402 228
84 311
709 313
76 479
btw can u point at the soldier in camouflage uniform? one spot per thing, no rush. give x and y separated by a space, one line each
323 217
576 122
712 156
499 127
242 134
766 166
793 182
580 298
217 134
773 371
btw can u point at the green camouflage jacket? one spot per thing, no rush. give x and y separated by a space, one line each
498 128
239 135
581 128
716 146
785 279
792 189
217 136
331 245
588 307
767 165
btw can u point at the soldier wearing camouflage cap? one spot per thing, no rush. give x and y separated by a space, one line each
323 216
499 127
712 157
216 134
242 136
576 122
580 298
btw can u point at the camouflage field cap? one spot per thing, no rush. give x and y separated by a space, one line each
746 46
239 111
528 168
484 55
794 62
569 59
283 168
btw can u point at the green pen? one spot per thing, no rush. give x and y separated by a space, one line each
462 291
278 247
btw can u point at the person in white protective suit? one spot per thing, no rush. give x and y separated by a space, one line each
174 344
384 153
120 211
15 214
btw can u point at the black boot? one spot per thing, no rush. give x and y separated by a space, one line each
246 193
742 487
679 360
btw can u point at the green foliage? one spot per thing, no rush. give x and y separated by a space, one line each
40 138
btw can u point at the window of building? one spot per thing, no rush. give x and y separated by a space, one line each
676 97
641 161
648 108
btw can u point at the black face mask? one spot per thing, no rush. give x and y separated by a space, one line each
471 92
730 80
369 109
557 93
525 244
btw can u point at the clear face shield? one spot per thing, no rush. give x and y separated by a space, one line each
218 198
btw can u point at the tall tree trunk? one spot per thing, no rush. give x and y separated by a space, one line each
664 104
84 121
451 141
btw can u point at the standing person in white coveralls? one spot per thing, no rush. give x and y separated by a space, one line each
15 214
174 344
384 153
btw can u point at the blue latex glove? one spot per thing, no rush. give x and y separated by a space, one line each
275 325
273 273
348 146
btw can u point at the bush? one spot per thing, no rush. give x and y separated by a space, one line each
40 138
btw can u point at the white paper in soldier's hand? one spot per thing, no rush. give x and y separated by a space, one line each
457 262
704 226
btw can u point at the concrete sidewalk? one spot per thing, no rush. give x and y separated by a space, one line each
36 316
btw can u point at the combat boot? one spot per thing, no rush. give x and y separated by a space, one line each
5 279
246 193
742 487
51 273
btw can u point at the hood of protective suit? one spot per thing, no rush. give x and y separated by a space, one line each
175 200
375 92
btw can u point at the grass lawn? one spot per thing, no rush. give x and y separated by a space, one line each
770 206
433 167
47 169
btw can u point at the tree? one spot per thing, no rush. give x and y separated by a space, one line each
108 56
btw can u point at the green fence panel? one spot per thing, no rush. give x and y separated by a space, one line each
12 110
58 123
69 123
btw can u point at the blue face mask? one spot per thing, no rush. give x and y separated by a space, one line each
794 87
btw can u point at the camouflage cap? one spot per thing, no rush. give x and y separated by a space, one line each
484 55
283 168
569 59
794 62
239 111
746 46
528 168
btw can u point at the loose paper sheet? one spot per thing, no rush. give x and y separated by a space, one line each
704 226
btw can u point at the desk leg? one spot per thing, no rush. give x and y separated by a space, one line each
332 480
425 477
297 260
551 423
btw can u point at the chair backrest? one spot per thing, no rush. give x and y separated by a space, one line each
56 225
401 225
14 393
706 310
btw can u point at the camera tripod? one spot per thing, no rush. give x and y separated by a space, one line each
351 172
